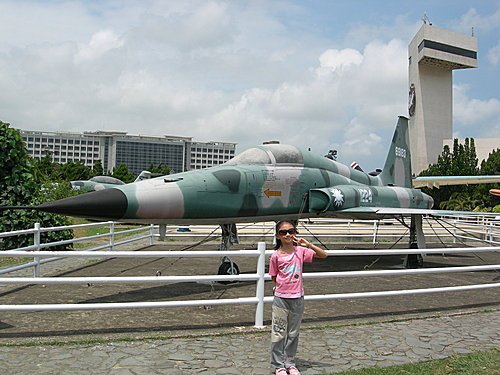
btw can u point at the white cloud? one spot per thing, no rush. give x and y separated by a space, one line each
472 19
100 43
207 26
360 142
24 23
494 55
348 104
333 60
361 34
473 117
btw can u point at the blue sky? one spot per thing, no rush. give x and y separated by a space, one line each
318 74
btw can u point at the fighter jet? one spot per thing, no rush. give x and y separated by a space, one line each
96 183
265 183
105 182
437 181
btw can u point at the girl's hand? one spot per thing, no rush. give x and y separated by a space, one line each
301 241
319 252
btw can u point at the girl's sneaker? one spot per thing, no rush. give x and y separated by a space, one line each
281 371
293 370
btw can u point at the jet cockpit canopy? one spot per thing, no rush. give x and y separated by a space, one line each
106 180
271 154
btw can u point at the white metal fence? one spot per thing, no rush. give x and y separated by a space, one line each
110 234
41 255
481 229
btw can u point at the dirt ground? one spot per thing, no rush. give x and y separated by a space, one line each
132 323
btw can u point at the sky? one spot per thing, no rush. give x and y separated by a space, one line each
316 74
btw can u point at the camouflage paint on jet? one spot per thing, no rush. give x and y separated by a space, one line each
268 182
96 183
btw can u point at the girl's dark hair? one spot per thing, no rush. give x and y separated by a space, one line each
277 228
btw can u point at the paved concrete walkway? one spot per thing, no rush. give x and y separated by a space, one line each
321 349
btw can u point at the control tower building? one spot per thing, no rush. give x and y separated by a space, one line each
433 54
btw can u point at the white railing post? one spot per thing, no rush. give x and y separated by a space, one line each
111 235
151 233
261 270
36 242
375 229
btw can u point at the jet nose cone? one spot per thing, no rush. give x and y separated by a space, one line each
104 204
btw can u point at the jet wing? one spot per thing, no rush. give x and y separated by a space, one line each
374 213
437 181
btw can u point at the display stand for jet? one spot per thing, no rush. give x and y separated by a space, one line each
229 237
162 231
417 241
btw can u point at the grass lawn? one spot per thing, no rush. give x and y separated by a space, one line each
478 363
5 262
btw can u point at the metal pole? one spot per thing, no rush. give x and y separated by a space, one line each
454 231
420 232
162 231
36 242
111 235
261 269
151 234
375 229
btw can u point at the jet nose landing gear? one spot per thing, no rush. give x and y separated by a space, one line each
417 241
228 267
229 237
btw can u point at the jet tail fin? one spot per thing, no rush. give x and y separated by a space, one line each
144 175
397 168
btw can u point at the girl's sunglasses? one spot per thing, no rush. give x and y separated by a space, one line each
283 232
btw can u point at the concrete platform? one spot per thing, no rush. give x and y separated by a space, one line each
337 335
322 349
46 326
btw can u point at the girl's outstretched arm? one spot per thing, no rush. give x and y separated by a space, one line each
319 252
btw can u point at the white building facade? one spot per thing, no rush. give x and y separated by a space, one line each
138 152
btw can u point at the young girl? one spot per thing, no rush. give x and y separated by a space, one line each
285 268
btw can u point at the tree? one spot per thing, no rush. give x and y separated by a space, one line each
460 202
490 166
161 168
121 172
45 169
462 161
73 171
19 187
97 169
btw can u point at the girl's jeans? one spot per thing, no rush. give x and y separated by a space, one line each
287 316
